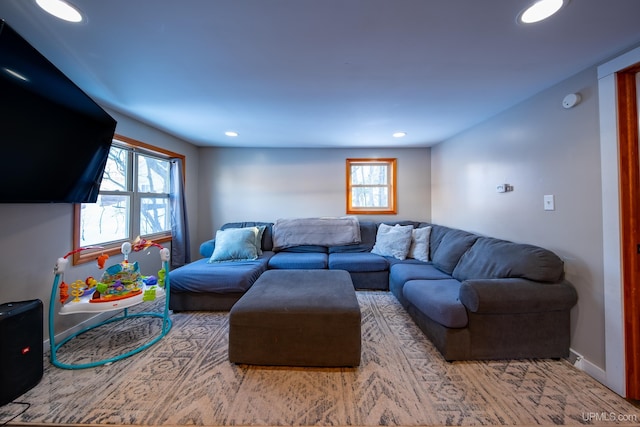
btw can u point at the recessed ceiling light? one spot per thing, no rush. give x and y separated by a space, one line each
231 133
541 10
399 134
61 9
15 74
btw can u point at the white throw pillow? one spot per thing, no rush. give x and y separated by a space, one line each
419 248
393 241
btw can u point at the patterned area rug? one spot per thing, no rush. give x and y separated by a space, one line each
186 378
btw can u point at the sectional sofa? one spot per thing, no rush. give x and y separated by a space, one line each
475 297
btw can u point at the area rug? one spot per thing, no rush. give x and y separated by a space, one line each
186 379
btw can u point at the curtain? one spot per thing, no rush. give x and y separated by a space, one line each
180 252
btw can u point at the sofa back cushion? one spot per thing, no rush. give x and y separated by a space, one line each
491 258
435 237
450 248
368 230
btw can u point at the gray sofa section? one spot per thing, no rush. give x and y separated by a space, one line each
476 298
501 300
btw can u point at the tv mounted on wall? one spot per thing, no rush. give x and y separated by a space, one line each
55 139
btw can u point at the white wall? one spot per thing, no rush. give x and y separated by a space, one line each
34 236
250 184
540 148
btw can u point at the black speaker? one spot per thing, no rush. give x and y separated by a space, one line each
21 364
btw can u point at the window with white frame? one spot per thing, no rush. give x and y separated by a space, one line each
134 200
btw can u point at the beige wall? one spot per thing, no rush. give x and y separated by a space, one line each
540 148
250 184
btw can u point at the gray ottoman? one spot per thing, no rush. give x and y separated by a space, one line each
297 318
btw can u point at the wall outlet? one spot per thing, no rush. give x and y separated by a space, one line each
549 202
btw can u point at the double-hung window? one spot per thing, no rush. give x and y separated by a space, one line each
371 186
134 200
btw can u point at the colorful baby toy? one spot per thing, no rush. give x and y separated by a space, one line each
120 287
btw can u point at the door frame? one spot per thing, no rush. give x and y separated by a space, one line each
630 222
620 182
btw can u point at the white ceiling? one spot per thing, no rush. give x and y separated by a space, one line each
321 73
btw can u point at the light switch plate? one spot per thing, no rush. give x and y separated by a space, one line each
549 202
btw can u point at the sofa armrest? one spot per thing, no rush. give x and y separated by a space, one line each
515 295
206 248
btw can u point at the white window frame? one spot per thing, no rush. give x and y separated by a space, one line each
113 247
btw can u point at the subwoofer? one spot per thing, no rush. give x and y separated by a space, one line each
21 364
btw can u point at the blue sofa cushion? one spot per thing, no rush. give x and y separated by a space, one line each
299 260
357 262
206 248
439 300
437 233
491 258
403 272
224 277
453 244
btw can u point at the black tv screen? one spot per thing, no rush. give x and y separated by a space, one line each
55 139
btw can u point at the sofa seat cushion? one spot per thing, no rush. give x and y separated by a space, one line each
438 300
491 258
357 262
403 272
299 260
222 277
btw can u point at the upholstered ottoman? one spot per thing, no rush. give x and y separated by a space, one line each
297 318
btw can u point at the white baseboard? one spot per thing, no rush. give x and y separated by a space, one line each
46 345
589 368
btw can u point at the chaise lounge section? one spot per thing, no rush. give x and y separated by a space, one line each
204 286
475 297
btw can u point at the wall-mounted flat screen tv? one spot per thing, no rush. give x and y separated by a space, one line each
55 139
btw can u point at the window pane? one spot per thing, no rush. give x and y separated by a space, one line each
154 215
370 197
153 175
115 172
369 174
104 221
